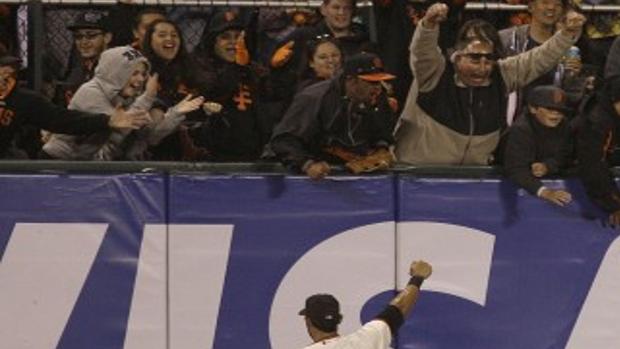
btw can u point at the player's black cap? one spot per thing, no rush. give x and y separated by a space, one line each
323 310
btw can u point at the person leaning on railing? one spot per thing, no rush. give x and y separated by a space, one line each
121 78
539 143
455 112
19 107
346 119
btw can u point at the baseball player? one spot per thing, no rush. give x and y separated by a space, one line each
322 317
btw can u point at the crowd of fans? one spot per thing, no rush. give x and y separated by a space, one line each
311 89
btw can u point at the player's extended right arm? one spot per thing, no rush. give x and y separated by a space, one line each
400 307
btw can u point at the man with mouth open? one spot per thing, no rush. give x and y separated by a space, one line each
455 110
344 119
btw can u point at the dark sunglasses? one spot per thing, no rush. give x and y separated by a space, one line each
87 36
319 39
480 56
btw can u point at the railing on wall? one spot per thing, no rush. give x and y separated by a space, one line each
263 168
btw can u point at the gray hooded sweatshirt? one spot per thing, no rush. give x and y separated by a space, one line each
101 95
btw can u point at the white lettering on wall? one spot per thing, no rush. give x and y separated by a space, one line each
597 325
43 270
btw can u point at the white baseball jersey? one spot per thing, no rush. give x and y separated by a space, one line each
373 335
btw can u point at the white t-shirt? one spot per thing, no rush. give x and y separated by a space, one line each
373 335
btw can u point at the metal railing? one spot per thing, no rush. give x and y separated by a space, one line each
263 168
256 168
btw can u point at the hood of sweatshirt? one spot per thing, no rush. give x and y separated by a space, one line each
115 67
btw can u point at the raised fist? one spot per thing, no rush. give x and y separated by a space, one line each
435 14
421 269
573 23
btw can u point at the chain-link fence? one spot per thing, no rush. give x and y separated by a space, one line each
55 51
58 45
58 40
41 38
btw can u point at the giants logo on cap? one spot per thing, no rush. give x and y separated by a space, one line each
558 96
92 17
229 16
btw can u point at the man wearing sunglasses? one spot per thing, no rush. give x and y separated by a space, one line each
91 37
455 111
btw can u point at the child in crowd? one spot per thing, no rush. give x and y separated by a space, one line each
539 144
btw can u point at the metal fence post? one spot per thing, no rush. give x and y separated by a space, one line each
36 44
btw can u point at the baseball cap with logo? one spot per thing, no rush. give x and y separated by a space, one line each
548 96
323 310
89 20
366 66
223 21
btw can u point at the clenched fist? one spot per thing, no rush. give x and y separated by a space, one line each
420 269
572 24
317 169
435 14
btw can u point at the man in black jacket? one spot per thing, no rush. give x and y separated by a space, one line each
597 148
346 118
19 107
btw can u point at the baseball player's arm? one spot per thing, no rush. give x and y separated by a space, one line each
394 315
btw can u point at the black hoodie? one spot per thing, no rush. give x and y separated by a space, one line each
598 140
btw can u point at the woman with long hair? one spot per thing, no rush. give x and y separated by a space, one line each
324 60
179 77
